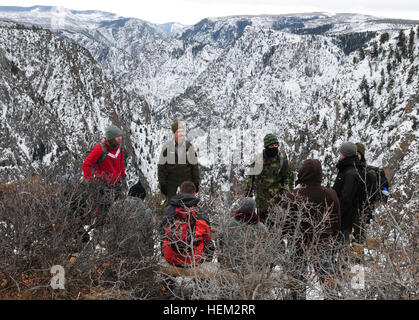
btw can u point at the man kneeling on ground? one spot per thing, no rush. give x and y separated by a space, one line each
186 231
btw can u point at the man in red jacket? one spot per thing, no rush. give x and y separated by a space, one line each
105 164
105 171
186 231
110 169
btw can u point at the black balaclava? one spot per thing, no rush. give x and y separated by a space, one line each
272 152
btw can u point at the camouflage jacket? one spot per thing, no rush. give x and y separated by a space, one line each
275 179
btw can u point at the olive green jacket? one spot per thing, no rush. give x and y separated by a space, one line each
177 164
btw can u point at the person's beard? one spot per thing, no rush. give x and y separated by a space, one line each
112 144
272 152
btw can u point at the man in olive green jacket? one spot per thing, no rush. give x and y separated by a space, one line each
178 163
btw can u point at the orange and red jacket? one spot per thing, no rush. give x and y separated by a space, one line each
202 232
111 170
195 256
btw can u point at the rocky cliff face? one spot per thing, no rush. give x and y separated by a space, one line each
310 93
56 100
302 77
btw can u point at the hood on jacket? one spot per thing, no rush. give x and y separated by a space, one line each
311 173
186 199
247 212
247 204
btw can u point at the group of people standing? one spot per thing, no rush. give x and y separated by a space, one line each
351 196
348 203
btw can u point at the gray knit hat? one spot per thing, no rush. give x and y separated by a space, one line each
248 204
348 149
112 132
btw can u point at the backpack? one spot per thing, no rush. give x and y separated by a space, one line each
182 233
102 157
380 192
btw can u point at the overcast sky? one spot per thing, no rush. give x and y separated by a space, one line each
192 11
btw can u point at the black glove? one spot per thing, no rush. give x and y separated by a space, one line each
138 191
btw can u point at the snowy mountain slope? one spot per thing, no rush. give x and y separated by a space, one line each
284 74
161 64
305 89
173 28
265 81
56 102
159 70
56 17
384 113
142 56
162 67
222 32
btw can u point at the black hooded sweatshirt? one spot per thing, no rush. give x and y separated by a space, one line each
347 187
310 176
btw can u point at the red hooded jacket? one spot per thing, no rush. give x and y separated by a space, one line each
111 170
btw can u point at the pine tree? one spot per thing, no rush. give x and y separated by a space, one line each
401 43
380 88
390 84
384 37
361 54
389 67
365 90
374 51
412 72
364 84
382 82
401 39
391 53
410 52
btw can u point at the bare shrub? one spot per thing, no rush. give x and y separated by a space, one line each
294 260
102 247
110 250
